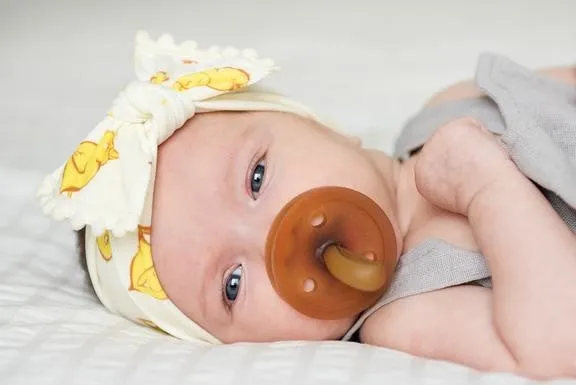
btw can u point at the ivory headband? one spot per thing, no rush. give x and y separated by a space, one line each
107 184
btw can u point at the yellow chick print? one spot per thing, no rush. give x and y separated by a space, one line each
84 164
159 77
220 79
103 242
143 277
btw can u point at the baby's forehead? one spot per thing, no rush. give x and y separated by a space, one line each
207 148
239 120
233 123
215 134
226 127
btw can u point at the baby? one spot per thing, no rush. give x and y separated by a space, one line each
174 194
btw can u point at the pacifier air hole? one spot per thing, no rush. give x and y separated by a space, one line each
318 219
369 255
309 285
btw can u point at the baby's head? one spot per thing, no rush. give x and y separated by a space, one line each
221 181
218 183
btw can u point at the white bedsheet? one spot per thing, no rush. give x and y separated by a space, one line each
369 64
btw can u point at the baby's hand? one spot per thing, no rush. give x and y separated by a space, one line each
461 159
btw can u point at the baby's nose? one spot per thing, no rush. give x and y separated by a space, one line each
250 238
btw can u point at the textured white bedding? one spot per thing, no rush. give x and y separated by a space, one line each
368 64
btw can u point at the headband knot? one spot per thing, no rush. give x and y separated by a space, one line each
161 110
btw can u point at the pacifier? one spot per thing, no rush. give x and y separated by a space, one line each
331 253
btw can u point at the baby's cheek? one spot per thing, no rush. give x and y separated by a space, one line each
296 326
290 325
270 318
322 330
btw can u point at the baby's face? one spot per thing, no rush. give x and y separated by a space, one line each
221 180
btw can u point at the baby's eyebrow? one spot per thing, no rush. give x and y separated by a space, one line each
209 277
238 158
233 161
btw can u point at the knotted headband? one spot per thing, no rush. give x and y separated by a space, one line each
107 184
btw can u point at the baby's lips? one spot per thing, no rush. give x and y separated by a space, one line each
331 253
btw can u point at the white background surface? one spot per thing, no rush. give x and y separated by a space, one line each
367 63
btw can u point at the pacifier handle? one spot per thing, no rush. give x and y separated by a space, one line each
331 253
353 270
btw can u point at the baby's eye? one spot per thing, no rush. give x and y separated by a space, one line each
257 178
232 285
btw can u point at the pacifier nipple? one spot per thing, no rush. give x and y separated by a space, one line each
331 253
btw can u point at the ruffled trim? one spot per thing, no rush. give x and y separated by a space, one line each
166 45
80 213
189 50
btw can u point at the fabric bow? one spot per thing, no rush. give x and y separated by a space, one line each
105 182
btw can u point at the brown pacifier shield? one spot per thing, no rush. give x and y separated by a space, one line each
301 231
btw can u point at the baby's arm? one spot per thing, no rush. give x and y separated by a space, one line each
532 257
529 249
458 324
526 323
453 324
